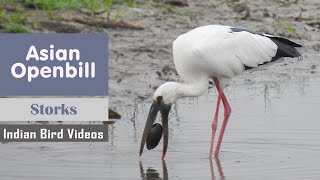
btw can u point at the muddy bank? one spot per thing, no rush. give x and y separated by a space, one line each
140 61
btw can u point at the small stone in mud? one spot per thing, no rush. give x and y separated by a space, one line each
167 69
113 114
30 5
177 2
313 66
154 136
159 74
266 14
142 97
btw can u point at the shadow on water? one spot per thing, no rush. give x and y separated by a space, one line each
152 173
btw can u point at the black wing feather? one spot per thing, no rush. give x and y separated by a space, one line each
286 48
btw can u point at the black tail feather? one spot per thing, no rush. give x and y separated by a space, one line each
286 48
286 41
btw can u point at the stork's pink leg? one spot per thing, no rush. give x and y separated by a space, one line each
219 168
215 124
211 169
227 112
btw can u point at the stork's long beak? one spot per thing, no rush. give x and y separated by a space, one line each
164 109
150 120
164 118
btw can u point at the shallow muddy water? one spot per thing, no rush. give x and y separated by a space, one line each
273 133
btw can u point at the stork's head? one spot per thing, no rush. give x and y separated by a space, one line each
162 100
168 92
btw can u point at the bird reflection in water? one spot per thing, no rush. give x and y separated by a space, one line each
153 174
219 168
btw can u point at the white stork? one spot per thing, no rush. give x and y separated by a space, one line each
218 53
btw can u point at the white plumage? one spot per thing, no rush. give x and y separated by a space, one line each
213 51
217 53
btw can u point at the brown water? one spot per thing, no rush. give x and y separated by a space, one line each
273 133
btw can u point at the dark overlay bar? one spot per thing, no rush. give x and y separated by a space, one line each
53 133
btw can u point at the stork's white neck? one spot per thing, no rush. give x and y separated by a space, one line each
171 91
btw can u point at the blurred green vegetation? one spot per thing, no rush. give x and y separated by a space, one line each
92 5
13 12
288 27
16 28
13 22
19 15
54 4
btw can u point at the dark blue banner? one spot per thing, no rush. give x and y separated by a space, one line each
53 64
